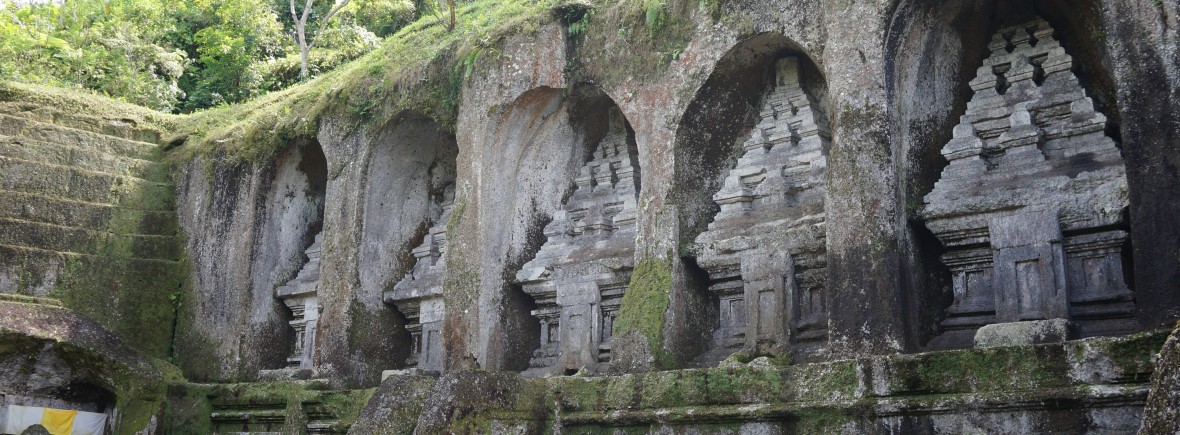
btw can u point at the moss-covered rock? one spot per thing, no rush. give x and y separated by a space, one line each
1162 413
645 305
395 406
485 402
287 407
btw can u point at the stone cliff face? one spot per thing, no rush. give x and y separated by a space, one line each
769 228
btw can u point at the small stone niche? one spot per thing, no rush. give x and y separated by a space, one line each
297 214
764 251
579 275
1031 208
419 295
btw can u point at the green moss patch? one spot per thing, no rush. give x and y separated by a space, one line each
636 39
645 305
394 408
285 406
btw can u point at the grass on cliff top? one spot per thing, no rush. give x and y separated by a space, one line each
419 69
85 103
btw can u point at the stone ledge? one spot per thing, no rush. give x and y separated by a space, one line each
31 252
79 184
82 158
1023 333
1104 379
46 132
96 216
85 241
107 127
24 299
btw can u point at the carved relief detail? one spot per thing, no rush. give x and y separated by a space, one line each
765 249
1030 207
419 295
579 275
299 295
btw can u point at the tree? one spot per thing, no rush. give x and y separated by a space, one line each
433 6
301 29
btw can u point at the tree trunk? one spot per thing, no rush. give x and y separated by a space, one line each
451 4
304 50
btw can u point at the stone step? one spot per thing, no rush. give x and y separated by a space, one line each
45 132
123 128
82 158
66 182
65 239
39 272
27 271
70 213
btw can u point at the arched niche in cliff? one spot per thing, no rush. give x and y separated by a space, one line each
567 284
751 182
52 357
941 100
287 256
408 198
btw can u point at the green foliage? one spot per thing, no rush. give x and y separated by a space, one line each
179 54
576 16
381 17
419 69
228 37
337 46
653 15
108 46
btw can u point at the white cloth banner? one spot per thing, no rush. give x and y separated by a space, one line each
14 419
89 423
19 418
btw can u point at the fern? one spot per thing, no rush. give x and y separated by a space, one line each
655 14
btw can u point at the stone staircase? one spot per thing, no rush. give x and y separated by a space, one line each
87 215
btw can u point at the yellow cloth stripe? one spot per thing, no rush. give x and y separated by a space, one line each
58 421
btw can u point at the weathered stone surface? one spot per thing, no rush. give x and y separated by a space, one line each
1023 333
268 407
465 402
249 227
88 217
51 356
969 390
394 408
519 148
1035 173
299 295
1162 412
405 167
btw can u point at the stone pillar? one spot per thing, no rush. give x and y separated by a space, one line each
864 271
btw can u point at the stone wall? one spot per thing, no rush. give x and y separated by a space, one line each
87 214
870 261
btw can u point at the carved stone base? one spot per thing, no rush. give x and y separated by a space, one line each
1023 333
